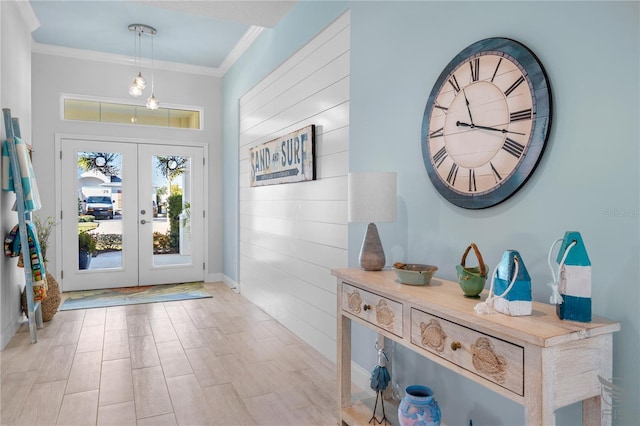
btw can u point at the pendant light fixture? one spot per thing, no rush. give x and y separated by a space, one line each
139 83
152 102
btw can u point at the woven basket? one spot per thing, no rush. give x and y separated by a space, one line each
49 305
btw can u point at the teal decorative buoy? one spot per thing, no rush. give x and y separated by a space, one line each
510 291
514 297
572 284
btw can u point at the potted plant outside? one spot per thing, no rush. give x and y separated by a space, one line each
86 249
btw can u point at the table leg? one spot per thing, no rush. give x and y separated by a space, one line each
538 406
592 412
344 363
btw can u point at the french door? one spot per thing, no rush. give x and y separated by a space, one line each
142 205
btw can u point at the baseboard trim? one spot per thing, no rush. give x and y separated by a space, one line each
230 283
361 378
9 331
213 277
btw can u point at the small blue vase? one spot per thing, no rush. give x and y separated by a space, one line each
418 407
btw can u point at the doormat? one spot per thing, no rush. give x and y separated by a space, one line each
88 299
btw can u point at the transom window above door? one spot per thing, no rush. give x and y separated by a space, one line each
110 111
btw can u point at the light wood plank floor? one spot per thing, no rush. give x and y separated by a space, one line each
219 361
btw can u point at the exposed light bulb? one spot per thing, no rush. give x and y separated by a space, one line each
152 102
140 81
134 90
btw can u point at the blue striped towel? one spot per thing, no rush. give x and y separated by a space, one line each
29 185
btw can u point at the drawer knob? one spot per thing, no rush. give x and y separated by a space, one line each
366 307
455 346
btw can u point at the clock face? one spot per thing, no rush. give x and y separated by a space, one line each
486 123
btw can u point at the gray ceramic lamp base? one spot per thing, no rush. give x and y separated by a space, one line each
371 253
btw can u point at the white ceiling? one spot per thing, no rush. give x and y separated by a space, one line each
200 33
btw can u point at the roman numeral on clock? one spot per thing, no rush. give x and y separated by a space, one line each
525 114
514 86
496 175
437 133
472 180
453 172
496 71
440 107
454 83
475 69
440 156
513 147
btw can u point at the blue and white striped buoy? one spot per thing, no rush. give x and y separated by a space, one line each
574 283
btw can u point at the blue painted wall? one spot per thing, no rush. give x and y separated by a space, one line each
272 48
588 179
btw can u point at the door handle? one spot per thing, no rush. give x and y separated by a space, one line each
142 222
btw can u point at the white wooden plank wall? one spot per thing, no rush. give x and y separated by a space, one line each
292 235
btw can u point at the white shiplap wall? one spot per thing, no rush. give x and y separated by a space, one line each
292 235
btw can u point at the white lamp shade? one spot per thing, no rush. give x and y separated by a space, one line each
372 197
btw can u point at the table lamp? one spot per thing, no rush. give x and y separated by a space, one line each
372 198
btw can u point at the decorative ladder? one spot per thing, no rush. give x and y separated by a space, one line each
12 128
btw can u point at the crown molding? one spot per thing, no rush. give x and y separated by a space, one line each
92 55
30 17
243 44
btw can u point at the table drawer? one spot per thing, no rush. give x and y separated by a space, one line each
494 359
378 310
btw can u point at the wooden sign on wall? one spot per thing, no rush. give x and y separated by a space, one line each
289 158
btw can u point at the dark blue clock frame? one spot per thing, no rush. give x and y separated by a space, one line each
541 122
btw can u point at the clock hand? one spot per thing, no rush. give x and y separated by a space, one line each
468 109
498 130
475 126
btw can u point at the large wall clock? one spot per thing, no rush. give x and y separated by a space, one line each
486 123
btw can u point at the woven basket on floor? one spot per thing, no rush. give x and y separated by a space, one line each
50 304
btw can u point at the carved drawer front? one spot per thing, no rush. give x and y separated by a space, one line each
378 310
494 359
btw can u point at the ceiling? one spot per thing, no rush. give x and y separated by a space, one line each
198 33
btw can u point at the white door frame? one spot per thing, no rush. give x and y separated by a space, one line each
58 187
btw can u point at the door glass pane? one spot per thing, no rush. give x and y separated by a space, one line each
99 210
171 210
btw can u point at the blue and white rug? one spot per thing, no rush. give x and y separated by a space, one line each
88 299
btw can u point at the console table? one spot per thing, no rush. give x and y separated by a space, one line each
539 361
